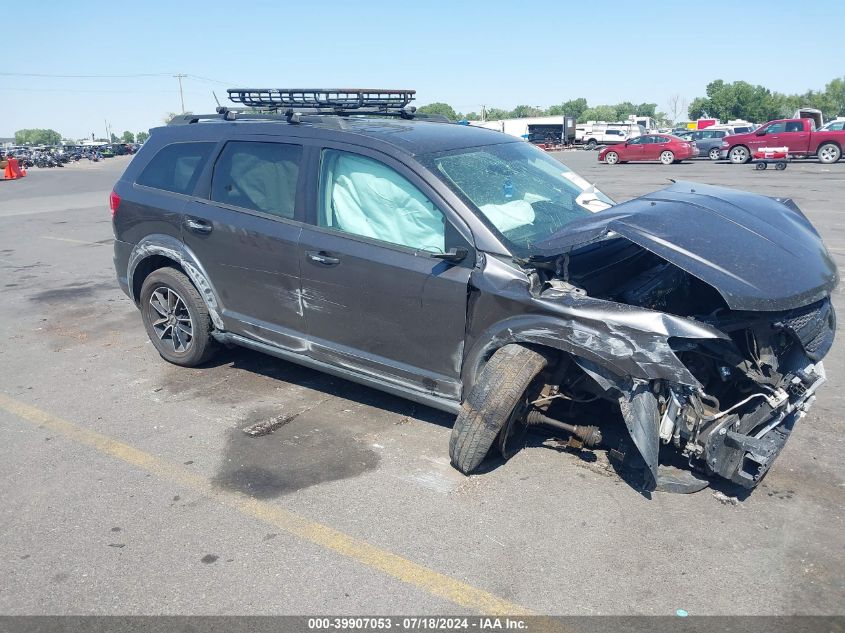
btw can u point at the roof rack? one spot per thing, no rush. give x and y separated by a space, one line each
338 100
295 104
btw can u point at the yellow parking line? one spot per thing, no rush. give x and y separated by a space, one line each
435 583
71 240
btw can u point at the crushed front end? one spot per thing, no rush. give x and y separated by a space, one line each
754 388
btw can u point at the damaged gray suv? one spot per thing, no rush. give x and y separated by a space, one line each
467 270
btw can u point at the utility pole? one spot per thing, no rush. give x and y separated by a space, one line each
180 77
483 113
108 136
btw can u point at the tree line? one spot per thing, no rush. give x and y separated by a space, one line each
41 136
723 101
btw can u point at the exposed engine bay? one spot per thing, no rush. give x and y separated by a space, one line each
749 387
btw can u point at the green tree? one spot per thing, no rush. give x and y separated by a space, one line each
495 114
472 116
142 137
439 108
523 111
624 110
599 113
37 136
573 107
128 137
114 138
647 109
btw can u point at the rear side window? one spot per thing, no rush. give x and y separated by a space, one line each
258 176
176 167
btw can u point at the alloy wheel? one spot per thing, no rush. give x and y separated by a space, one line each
170 319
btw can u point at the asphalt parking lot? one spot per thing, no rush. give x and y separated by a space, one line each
130 488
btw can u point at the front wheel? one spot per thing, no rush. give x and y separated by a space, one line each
739 155
667 157
611 158
176 318
829 153
591 144
492 403
714 154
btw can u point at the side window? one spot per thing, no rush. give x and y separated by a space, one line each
795 126
776 128
364 197
636 140
257 176
176 167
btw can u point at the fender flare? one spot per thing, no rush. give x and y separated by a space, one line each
172 248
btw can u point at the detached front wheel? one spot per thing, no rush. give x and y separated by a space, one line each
491 403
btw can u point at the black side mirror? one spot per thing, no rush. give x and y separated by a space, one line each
760 132
453 255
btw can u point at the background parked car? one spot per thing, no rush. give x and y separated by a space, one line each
666 148
708 140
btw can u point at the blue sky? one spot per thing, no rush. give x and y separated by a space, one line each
465 53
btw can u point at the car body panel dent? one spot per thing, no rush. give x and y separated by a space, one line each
768 257
174 249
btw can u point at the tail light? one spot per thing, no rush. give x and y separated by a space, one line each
114 203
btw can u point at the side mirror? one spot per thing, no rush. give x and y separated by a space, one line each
760 132
453 255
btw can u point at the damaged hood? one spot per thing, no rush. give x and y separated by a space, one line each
759 253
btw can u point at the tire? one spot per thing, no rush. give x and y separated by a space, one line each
488 407
667 157
829 153
592 144
714 153
739 155
761 166
176 318
611 158
780 166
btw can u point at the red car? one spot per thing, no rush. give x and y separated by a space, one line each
666 148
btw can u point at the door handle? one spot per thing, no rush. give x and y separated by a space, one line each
198 226
322 258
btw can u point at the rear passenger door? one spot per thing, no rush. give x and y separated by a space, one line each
243 226
375 300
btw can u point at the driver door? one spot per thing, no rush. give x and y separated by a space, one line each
375 300
632 150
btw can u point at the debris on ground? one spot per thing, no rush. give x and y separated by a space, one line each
725 499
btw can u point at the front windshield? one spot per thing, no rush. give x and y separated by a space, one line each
520 191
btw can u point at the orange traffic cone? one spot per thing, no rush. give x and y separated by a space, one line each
13 170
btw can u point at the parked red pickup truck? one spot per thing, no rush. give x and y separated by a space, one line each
799 135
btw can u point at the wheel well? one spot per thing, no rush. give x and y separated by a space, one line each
830 143
147 266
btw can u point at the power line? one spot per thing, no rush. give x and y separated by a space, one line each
83 76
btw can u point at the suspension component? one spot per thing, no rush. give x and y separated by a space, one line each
588 435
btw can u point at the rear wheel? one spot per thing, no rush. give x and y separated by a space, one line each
495 398
176 318
592 143
761 166
667 157
611 158
739 155
829 153
714 154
